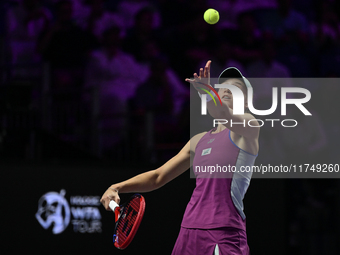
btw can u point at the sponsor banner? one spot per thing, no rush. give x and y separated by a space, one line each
56 213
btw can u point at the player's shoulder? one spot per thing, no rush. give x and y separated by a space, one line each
195 139
198 136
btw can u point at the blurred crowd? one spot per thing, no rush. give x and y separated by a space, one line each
136 53
130 58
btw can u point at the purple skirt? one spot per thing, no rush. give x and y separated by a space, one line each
230 241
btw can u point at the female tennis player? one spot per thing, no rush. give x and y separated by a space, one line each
214 221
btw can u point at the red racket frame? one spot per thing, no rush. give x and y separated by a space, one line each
135 226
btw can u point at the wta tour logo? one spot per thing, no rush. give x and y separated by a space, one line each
239 102
55 211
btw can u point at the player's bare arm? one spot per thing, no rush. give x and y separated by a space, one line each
154 179
225 113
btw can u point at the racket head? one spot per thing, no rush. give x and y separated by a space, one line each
130 217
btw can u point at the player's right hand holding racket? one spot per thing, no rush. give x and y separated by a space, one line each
110 194
127 217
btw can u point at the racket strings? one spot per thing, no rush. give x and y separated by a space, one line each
127 219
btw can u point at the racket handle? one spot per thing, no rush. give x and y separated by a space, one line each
113 205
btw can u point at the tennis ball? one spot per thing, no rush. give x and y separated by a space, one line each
211 16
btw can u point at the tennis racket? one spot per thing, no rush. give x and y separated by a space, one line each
128 218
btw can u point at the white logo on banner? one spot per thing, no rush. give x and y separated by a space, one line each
53 208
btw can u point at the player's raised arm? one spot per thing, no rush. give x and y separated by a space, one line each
230 76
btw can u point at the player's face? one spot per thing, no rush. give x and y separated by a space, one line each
226 95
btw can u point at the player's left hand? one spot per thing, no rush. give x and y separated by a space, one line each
204 77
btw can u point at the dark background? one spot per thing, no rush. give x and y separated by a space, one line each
26 183
69 120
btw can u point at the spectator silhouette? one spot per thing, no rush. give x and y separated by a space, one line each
142 32
284 20
157 96
222 56
98 19
128 10
267 66
151 51
247 39
25 22
65 46
116 75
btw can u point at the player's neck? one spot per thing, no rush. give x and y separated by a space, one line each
219 128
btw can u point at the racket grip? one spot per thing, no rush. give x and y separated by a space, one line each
113 205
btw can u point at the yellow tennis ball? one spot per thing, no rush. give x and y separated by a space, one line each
211 16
